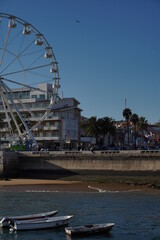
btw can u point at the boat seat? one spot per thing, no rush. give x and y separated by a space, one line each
89 225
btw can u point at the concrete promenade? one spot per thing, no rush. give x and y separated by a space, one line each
76 162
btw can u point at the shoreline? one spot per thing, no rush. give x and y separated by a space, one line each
40 185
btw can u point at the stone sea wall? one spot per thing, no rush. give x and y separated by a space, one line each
15 163
9 164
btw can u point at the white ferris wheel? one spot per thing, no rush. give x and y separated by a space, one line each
26 60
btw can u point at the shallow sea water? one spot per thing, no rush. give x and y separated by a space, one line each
136 214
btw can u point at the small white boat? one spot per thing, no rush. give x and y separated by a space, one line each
89 229
4 222
44 223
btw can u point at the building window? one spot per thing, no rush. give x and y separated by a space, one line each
48 134
49 95
42 96
34 96
64 115
56 124
56 134
47 124
40 114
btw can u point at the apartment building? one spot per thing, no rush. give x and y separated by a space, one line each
61 127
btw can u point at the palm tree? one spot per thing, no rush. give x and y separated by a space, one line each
134 120
127 114
142 126
91 127
106 127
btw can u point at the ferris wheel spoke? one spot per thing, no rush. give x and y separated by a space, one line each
13 39
5 45
1 34
34 61
24 85
43 76
20 45
20 62
13 54
17 56
27 69
31 53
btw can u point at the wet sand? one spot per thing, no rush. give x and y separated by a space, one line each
69 186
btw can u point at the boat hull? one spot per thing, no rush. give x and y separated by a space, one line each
89 229
5 220
40 224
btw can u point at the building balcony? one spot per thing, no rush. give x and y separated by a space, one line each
56 118
7 139
51 128
4 129
54 138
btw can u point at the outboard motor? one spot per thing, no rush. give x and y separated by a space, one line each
4 222
11 223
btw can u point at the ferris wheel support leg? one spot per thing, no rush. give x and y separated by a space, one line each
11 112
19 114
6 111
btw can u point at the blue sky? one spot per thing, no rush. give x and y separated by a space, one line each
111 54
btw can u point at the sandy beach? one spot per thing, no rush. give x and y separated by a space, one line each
72 186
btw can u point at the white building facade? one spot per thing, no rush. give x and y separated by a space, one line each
59 130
